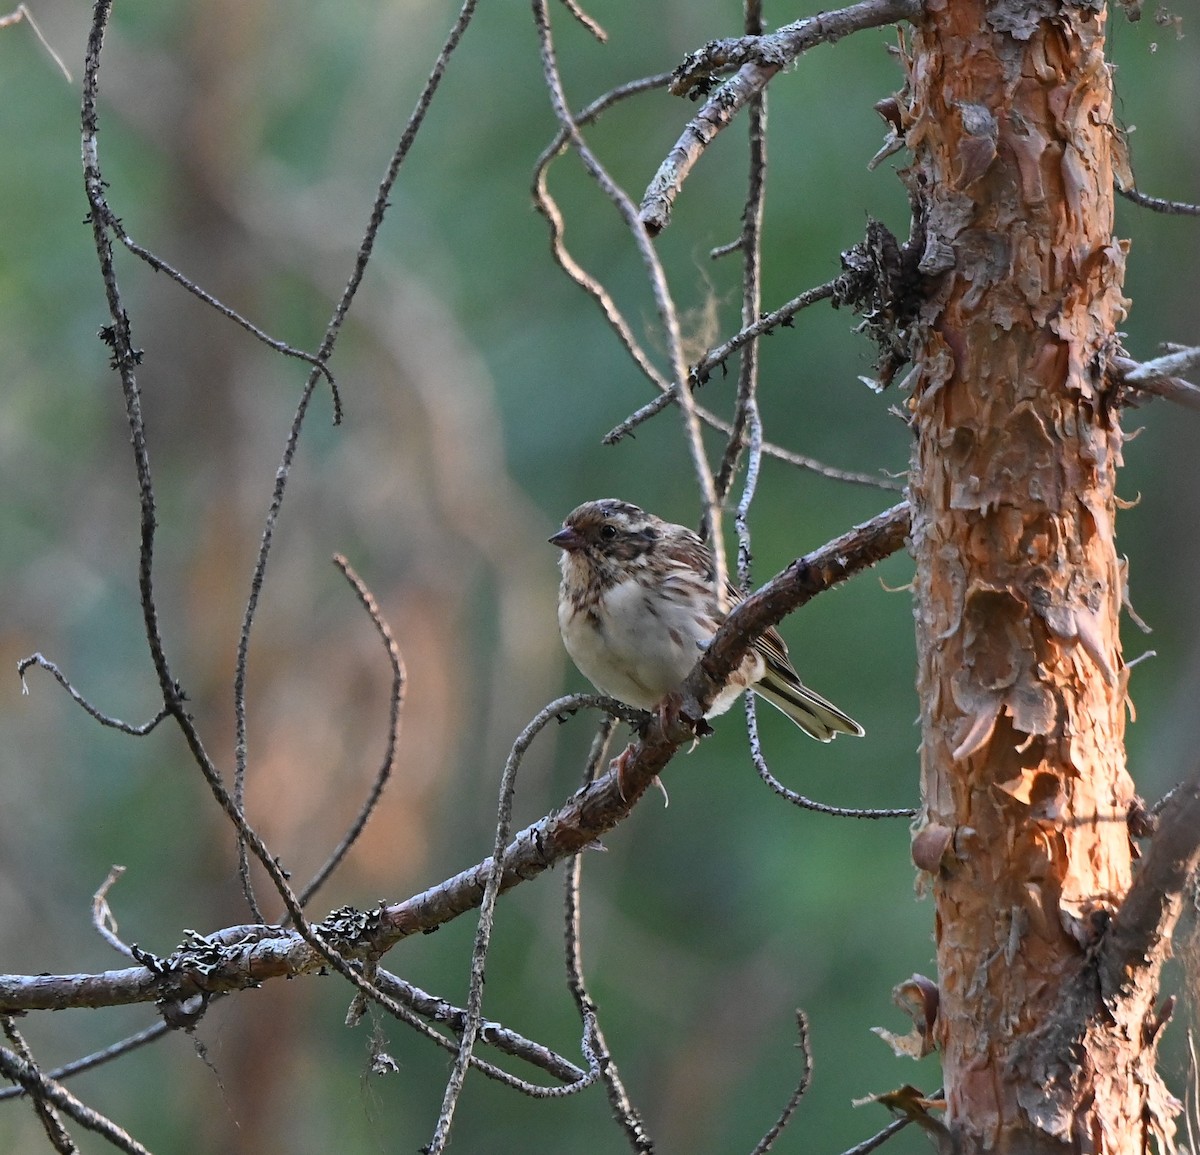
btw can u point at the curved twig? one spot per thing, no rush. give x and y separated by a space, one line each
548 207
483 935
395 710
768 1140
137 730
764 772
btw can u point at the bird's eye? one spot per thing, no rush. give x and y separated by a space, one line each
608 531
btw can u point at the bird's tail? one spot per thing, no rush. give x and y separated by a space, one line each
812 713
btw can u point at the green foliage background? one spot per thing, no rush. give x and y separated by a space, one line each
243 142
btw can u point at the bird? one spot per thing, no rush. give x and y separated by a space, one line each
637 607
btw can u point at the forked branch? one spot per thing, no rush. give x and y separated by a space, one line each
757 60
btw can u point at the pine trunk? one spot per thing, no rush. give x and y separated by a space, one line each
1019 584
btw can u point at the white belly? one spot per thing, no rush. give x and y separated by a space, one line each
646 646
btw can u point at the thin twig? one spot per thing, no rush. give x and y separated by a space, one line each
800 460
494 1034
764 772
755 326
125 358
768 1140
702 370
585 20
60 1140
33 1082
548 207
22 13
104 719
395 711
627 1115
745 412
879 1138
758 58
483 934
103 918
160 266
97 1058
1158 204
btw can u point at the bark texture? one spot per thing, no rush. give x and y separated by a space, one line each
1019 584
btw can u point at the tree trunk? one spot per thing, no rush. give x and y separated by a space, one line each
1019 584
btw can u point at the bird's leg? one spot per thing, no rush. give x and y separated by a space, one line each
670 715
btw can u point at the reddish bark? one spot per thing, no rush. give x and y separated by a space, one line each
1019 582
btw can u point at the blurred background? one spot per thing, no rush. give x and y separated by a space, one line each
243 141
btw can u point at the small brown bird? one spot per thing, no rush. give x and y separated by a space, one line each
637 608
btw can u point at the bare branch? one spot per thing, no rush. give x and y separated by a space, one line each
1158 204
756 327
97 1058
60 1140
46 1090
758 59
483 934
104 719
395 710
879 1138
548 207
1160 376
768 1140
332 330
747 424
1147 916
764 772
125 357
770 449
626 1113
117 228
494 1034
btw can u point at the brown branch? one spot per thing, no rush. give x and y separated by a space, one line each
244 956
1144 922
758 59
1158 376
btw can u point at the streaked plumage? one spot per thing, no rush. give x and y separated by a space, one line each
636 608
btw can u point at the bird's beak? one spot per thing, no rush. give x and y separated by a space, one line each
567 539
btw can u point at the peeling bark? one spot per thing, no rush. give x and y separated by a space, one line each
1019 583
